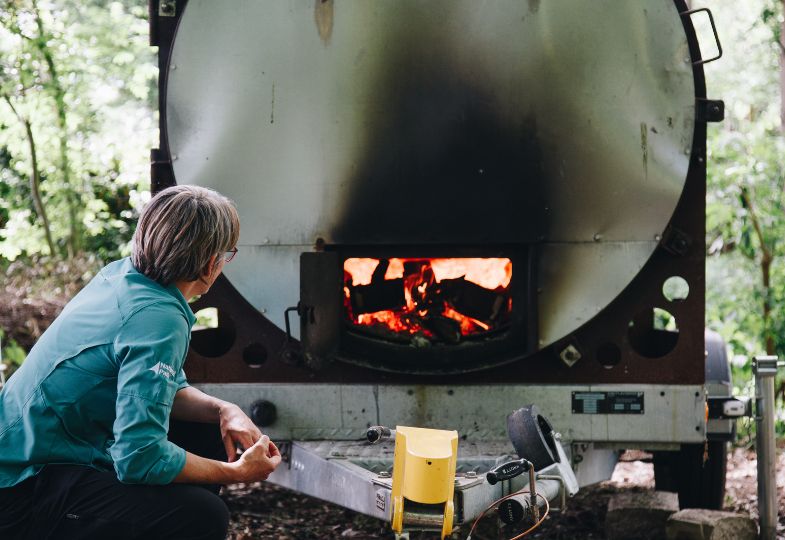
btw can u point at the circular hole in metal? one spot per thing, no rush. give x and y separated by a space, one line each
675 289
609 355
214 334
653 332
255 355
206 318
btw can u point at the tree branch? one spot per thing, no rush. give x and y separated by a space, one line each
35 174
766 251
767 257
58 93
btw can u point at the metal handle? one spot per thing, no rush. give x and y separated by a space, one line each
689 14
508 470
286 320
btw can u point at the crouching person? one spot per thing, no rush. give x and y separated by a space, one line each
86 446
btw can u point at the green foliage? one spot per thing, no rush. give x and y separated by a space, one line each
11 355
10 352
77 92
745 222
83 75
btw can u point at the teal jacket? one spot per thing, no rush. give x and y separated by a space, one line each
98 386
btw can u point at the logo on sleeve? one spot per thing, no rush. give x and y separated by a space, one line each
163 370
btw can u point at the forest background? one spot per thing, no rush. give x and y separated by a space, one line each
78 117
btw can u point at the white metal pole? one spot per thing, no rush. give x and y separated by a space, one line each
765 369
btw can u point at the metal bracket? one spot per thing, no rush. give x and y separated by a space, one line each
167 8
765 365
676 241
285 447
562 490
161 171
689 14
570 354
710 110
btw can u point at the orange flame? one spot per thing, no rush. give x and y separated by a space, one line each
422 303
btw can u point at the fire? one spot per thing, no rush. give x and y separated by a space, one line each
441 299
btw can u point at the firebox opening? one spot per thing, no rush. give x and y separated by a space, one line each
430 300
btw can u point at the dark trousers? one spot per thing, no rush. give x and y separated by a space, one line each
69 502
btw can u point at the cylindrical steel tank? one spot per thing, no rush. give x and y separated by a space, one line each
567 135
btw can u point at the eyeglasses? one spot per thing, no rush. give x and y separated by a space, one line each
229 255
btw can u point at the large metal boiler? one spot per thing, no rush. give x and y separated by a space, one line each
564 138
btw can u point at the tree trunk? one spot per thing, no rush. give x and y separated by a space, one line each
58 93
35 176
782 73
766 258
765 267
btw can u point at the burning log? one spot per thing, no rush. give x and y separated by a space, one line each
427 298
472 300
378 296
443 328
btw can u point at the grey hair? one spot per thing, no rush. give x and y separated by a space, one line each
179 230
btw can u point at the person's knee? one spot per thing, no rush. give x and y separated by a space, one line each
210 515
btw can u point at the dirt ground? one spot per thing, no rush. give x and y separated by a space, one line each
266 511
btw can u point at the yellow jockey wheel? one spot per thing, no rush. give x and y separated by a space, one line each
424 479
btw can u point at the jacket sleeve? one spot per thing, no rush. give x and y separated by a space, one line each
181 380
149 349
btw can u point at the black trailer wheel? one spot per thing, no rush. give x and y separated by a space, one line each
699 484
532 436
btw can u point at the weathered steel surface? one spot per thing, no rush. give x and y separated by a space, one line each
525 123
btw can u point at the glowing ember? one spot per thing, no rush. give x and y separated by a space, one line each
441 299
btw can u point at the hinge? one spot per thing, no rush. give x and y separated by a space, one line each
167 8
710 110
161 171
676 241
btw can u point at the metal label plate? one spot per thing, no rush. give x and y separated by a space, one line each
607 403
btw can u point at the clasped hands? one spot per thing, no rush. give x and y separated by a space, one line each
255 456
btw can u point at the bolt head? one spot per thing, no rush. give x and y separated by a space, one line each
569 355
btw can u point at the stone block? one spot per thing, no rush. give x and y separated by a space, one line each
700 524
640 516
